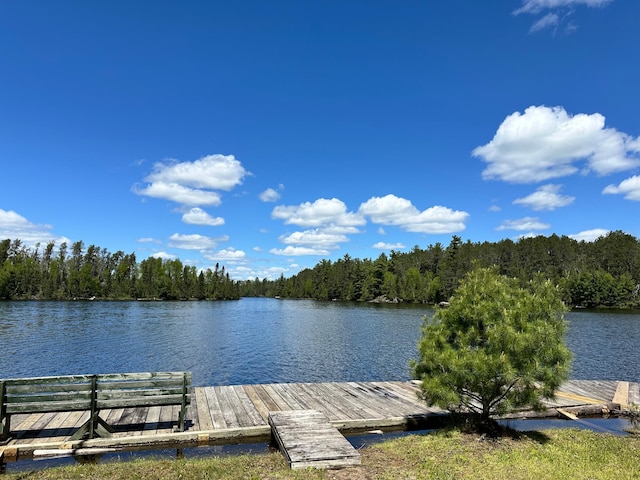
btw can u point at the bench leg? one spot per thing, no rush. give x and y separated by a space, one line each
95 426
5 429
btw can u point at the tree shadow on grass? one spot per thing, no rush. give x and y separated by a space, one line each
491 429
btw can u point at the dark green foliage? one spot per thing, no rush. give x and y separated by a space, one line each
495 348
604 273
28 273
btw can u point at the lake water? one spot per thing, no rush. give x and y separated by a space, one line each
256 340
264 341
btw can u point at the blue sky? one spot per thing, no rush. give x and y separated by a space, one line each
266 136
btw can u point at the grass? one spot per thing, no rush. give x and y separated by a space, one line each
448 454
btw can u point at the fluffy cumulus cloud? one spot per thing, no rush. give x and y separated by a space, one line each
400 212
321 213
180 194
546 142
630 188
194 183
213 172
590 235
149 240
315 238
229 255
250 273
389 246
14 226
558 14
327 220
269 195
546 197
163 255
299 251
522 224
197 216
194 242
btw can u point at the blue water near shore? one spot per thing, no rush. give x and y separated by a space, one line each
257 340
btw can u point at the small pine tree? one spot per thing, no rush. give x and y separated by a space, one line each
495 347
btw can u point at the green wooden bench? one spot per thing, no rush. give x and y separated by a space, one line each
93 393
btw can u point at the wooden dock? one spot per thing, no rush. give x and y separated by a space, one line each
240 413
307 439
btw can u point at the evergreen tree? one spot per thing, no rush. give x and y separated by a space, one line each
496 347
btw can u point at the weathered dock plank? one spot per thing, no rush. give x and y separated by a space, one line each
262 409
307 439
250 411
202 409
290 400
152 421
214 408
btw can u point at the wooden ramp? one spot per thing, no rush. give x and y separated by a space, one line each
307 439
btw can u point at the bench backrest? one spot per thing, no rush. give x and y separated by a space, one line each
94 392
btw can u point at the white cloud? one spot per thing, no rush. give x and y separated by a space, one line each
314 238
180 194
400 212
544 143
331 222
590 235
526 223
194 183
229 254
630 188
163 255
149 240
14 226
244 272
558 12
495 208
545 198
389 246
197 216
194 242
295 251
537 6
549 20
270 195
213 172
321 213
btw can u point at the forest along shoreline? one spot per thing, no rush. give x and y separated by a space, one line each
604 273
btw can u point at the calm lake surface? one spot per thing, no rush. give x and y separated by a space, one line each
256 340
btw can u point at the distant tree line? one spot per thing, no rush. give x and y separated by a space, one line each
603 273
65 273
